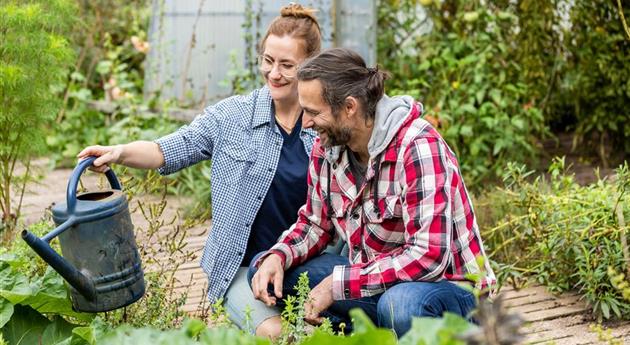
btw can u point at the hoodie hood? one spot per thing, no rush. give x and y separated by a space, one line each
391 113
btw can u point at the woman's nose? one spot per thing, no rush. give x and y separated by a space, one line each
275 72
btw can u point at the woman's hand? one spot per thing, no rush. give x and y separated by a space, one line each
106 155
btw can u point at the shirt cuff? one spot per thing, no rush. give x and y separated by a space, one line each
346 282
281 250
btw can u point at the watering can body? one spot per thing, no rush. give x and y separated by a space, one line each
100 258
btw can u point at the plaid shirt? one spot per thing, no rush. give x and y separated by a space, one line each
240 136
410 221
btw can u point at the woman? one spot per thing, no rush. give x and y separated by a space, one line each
259 155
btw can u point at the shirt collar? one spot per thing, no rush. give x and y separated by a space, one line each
263 110
263 113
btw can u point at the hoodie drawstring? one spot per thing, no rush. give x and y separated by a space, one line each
377 170
328 202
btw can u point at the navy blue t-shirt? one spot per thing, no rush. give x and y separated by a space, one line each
284 198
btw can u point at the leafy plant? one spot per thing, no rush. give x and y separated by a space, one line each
35 58
293 325
465 74
596 86
565 235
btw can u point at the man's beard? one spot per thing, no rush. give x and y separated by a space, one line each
335 136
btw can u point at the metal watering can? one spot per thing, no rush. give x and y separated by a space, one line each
100 258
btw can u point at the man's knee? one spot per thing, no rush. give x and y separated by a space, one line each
402 302
394 309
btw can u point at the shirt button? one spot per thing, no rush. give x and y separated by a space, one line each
347 293
269 169
356 248
239 253
226 280
355 215
334 166
259 197
247 225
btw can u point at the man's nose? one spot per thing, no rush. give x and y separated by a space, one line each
307 121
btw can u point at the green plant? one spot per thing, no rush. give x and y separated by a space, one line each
596 86
565 235
34 303
605 335
471 86
106 83
34 58
293 324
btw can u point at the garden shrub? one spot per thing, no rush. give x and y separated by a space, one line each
596 86
34 62
565 235
464 73
495 76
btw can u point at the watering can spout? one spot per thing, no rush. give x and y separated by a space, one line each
78 280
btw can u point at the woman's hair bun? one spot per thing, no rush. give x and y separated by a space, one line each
298 11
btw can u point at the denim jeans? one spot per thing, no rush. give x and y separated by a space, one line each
394 308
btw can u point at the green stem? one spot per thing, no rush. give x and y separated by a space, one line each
624 241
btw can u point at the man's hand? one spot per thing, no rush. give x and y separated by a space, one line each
269 271
319 300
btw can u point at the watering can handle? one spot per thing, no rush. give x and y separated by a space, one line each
73 183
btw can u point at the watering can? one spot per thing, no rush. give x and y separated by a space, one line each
100 259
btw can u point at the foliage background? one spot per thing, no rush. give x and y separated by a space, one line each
500 77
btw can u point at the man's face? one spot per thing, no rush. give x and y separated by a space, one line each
318 115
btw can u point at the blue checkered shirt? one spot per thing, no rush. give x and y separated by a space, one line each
240 136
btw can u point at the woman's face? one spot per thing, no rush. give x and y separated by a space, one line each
278 64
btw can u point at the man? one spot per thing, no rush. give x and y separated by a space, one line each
383 180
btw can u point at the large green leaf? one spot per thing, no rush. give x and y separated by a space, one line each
58 331
89 334
14 286
361 322
434 331
47 294
372 336
26 327
52 297
6 310
220 336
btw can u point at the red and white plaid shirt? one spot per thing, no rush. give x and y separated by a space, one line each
421 228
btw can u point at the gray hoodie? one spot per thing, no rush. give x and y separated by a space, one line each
391 112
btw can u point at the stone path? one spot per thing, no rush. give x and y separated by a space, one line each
551 319
563 319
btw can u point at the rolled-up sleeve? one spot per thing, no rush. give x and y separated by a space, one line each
190 144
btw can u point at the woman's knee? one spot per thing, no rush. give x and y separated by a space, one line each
270 328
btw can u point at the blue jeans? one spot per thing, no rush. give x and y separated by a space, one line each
392 309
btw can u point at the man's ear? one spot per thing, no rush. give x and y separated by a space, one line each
351 107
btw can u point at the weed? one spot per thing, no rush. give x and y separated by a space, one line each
564 235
